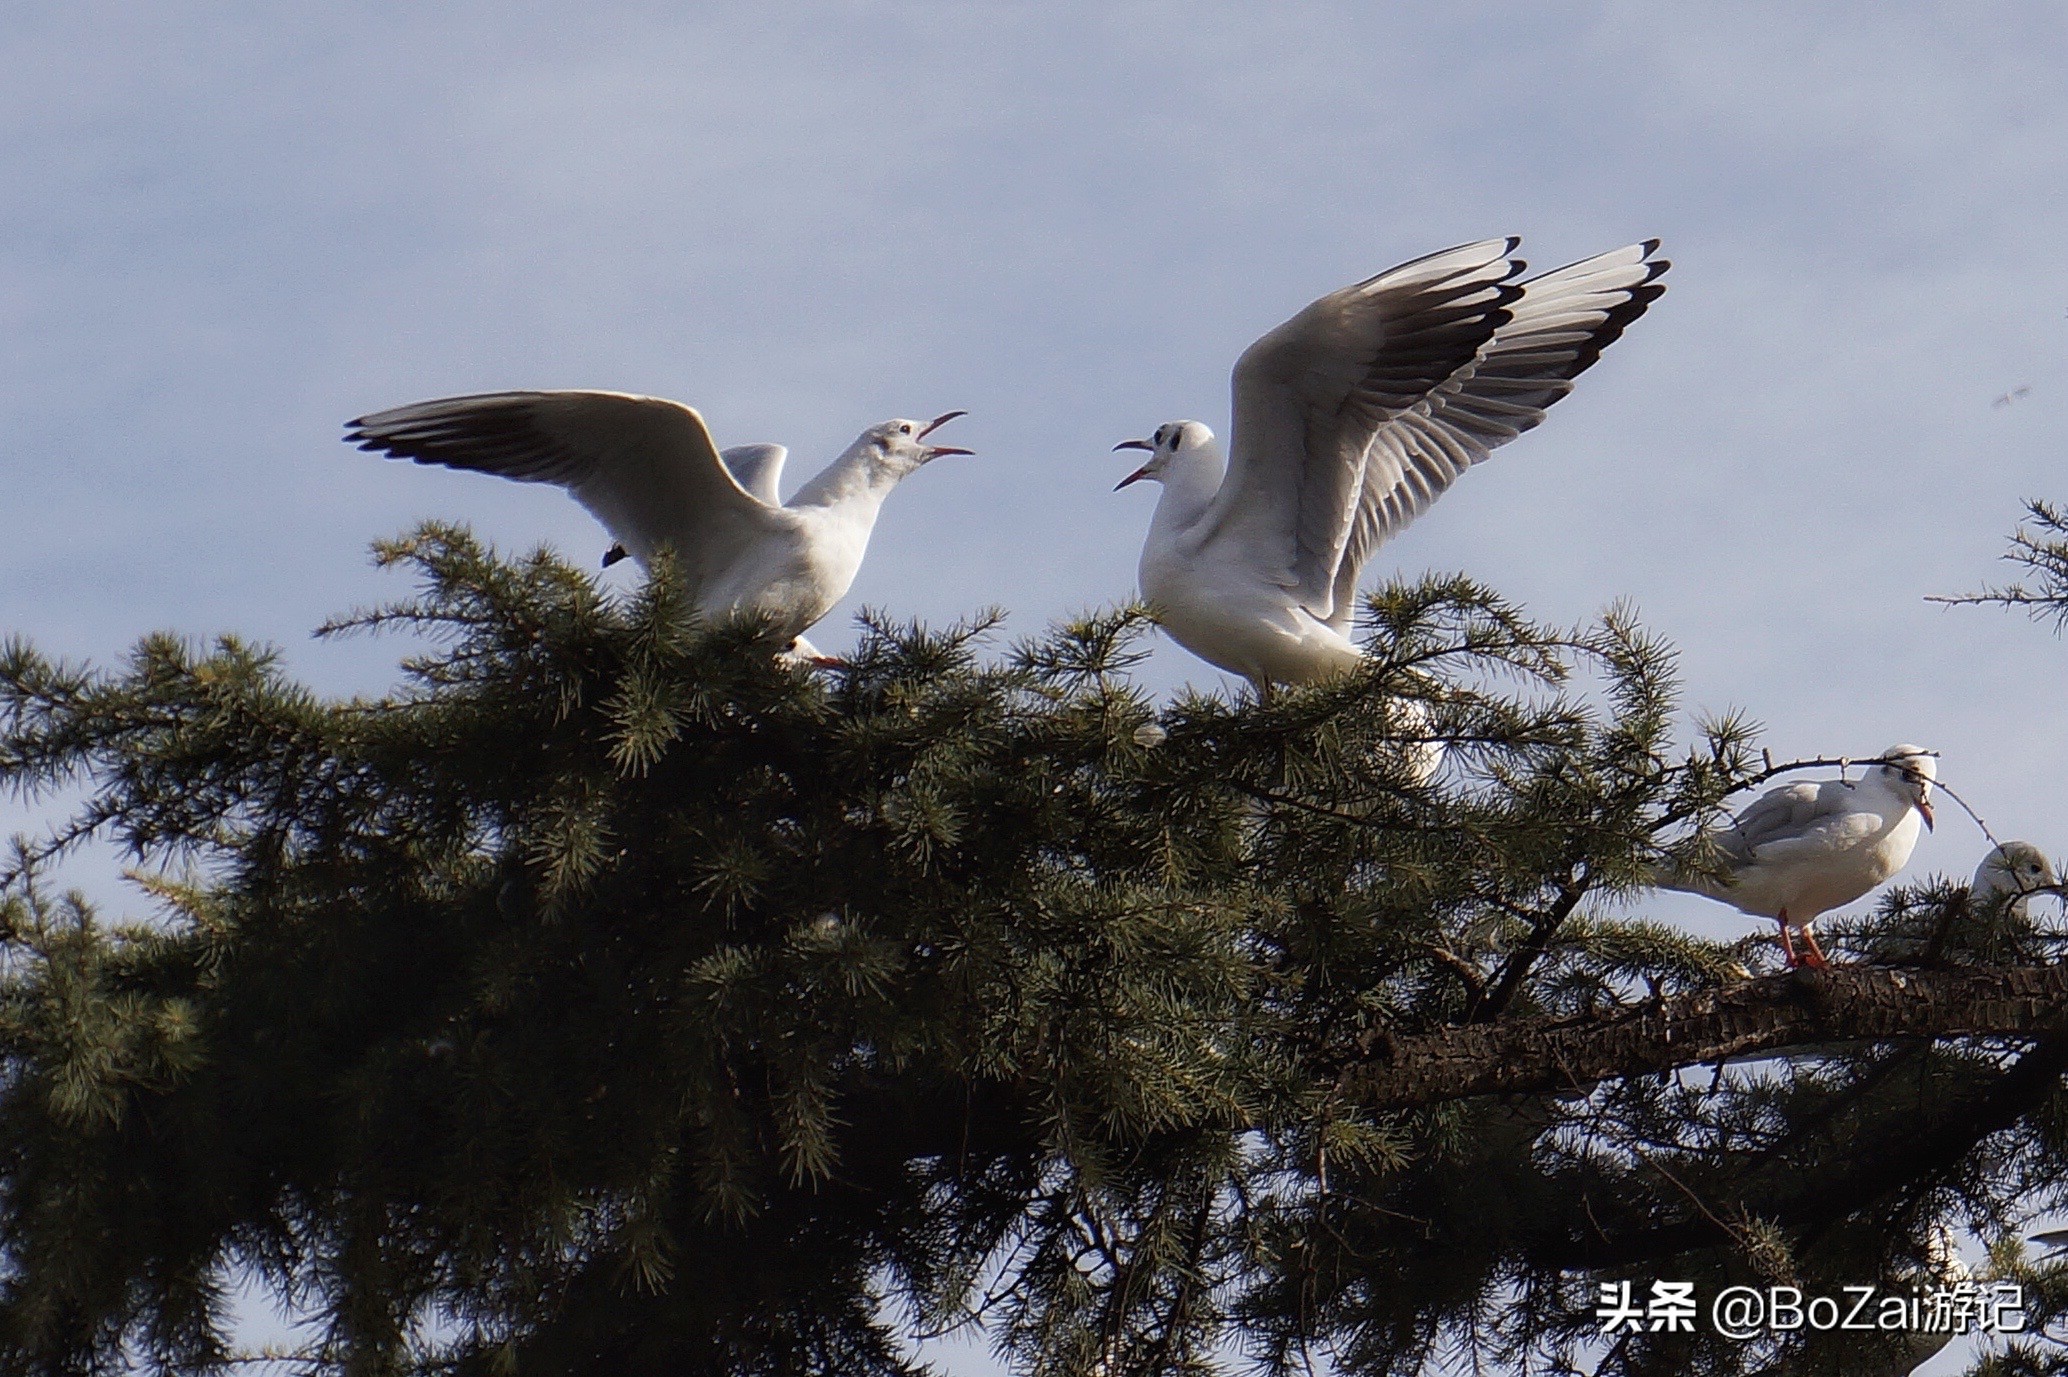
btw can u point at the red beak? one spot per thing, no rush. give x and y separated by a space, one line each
1926 809
1137 476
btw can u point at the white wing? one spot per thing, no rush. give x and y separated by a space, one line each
1785 824
1779 816
644 466
759 469
1311 394
1553 334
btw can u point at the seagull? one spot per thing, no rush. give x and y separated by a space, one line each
648 470
1803 849
1940 1271
1350 419
2010 875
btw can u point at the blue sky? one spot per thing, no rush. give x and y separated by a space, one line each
229 227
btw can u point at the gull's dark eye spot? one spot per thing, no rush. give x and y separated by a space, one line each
905 429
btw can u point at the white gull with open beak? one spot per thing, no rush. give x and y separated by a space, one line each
1350 419
647 469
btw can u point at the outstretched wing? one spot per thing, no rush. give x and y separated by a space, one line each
1560 326
1311 395
759 469
644 466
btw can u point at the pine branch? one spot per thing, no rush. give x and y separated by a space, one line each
1517 968
2041 549
1796 1009
1819 1200
650 1007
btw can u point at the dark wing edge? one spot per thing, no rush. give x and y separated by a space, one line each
535 437
1333 376
643 466
482 432
1559 328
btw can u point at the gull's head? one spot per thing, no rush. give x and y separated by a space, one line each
2015 868
1910 770
900 445
1170 445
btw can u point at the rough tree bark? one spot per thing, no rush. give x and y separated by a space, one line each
1794 1009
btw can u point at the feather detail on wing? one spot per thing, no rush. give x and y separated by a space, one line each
1776 816
1311 394
1565 318
644 466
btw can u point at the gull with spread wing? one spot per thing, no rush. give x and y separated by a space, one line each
648 470
1801 850
1349 420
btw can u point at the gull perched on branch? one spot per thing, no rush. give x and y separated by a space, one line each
1804 849
648 470
1349 420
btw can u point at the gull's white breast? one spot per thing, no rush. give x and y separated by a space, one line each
1224 613
796 579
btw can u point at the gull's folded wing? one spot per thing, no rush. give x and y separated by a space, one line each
1780 817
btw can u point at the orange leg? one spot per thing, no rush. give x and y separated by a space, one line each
1788 940
1816 957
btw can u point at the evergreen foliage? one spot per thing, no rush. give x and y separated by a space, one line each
613 999
2039 547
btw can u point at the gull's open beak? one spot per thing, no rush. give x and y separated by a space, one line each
936 451
1925 809
1139 474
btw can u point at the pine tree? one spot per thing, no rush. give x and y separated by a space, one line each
613 999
